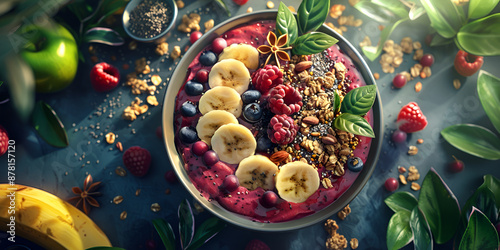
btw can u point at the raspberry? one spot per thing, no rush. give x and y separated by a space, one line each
137 160
266 78
4 141
104 77
411 119
282 130
284 99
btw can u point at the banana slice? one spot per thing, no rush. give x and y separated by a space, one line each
221 98
256 171
244 53
211 121
231 73
296 181
233 143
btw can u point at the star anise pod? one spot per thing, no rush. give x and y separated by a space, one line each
84 197
275 47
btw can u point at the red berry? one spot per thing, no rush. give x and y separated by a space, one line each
199 148
399 136
218 45
137 160
282 130
456 165
104 77
210 158
195 35
4 141
170 176
269 199
284 99
399 81
391 184
256 244
411 119
427 60
467 64
202 76
266 78
230 183
240 2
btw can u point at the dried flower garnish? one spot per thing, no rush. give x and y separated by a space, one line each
275 48
84 197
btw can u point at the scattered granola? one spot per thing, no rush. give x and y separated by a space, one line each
156 80
415 186
161 48
401 169
152 100
209 25
456 84
155 207
413 174
344 212
249 10
335 241
119 146
110 138
120 171
354 243
123 215
137 192
412 150
402 179
190 23
176 52
270 4
420 141
418 87
180 4
336 10
118 199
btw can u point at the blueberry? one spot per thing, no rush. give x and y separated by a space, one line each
252 112
188 109
188 135
355 164
263 144
193 88
250 96
208 58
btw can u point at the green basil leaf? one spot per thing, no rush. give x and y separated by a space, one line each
166 233
401 201
49 126
439 206
312 14
481 8
422 236
474 140
398 231
377 12
395 6
103 35
312 43
488 89
354 124
480 233
286 24
481 37
186 223
484 200
494 185
359 100
445 16
438 40
372 52
206 231
336 101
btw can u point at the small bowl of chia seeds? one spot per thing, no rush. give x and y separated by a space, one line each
149 20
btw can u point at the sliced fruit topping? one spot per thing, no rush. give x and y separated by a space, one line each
467 64
211 121
221 98
137 160
233 143
269 199
104 77
244 53
208 58
411 119
256 171
266 78
252 112
193 88
296 181
230 73
250 96
210 158
285 99
188 135
282 129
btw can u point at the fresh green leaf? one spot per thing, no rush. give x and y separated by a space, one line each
223 4
372 52
166 233
105 248
286 24
377 12
480 233
416 11
336 101
439 206
481 37
398 231
474 140
494 185
481 8
438 40
359 100
395 6
103 35
186 223
401 201
107 8
206 231
21 82
422 236
80 8
312 43
354 124
484 200
49 126
312 14
445 16
488 89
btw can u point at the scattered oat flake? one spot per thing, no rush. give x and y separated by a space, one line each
249 10
457 84
137 192
155 207
120 171
412 150
118 199
418 87
110 138
354 243
156 80
123 215
270 4
152 100
402 179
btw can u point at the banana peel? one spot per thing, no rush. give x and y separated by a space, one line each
47 220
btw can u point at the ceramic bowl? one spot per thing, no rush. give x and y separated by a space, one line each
178 78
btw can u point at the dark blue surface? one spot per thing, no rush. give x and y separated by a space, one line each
57 170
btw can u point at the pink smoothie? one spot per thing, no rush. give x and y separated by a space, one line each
243 201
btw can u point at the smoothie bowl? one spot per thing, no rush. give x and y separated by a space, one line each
267 139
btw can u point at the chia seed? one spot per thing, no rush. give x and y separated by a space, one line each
149 18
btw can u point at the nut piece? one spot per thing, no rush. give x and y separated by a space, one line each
123 215
413 174
418 87
162 49
402 179
110 138
401 169
156 80
180 4
412 150
137 192
190 23
456 83
270 4
326 182
415 186
354 243
118 199
176 53
279 157
420 141
152 100
344 212
304 65
155 207
209 25
120 171
249 10
119 146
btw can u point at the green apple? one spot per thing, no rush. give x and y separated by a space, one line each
52 53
